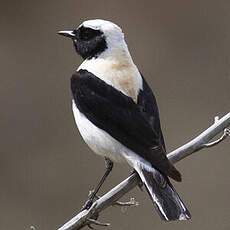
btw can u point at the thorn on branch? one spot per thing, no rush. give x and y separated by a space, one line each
223 137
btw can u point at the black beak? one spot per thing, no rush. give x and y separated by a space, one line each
67 33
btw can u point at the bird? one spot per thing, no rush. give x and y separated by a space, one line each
117 115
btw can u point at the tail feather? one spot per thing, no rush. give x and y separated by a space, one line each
165 198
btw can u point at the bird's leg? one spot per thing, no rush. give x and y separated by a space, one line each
109 167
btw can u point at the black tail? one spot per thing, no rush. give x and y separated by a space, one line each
165 198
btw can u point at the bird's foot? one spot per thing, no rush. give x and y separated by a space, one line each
87 204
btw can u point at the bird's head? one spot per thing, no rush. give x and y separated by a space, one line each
94 37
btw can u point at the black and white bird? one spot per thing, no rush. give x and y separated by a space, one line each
117 114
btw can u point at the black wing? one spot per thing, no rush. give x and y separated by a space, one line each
117 114
147 103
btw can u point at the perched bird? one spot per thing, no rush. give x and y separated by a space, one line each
117 114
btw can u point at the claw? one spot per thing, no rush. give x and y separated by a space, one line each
87 205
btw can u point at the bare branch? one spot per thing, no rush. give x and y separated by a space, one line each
198 143
85 217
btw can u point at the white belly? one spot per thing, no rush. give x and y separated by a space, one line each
97 139
105 145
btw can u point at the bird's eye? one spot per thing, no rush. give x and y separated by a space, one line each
88 33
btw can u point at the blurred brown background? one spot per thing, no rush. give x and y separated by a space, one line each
46 171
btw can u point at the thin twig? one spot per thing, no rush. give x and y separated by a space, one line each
82 218
131 202
223 137
96 222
